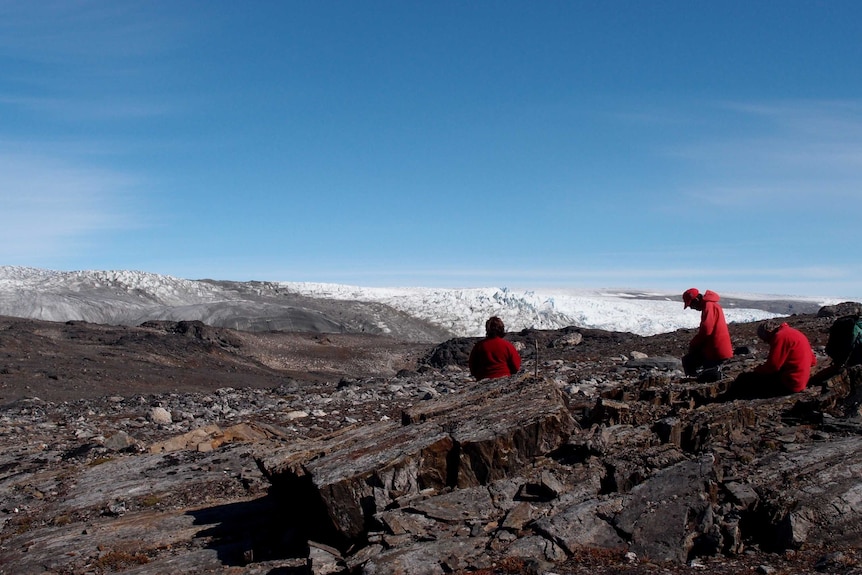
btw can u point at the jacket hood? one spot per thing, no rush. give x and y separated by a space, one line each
780 327
710 295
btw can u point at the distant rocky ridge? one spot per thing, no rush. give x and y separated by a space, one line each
131 298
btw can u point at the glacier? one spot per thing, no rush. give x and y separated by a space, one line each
464 311
131 297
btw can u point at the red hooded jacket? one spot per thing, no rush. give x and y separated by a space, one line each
494 357
712 338
791 356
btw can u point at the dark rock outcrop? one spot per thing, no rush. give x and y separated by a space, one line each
488 433
837 310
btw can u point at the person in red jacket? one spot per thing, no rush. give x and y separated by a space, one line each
494 356
711 345
790 356
787 368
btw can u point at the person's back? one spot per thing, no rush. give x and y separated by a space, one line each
713 336
711 345
790 356
494 357
787 367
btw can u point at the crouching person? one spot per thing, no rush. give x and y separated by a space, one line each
786 370
710 346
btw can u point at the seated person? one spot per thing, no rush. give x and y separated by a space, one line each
786 370
494 356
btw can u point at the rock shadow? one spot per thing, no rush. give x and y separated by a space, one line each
263 529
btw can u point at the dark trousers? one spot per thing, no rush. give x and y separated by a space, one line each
750 385
694 361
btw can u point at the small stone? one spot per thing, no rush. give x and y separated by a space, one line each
119 441
160 415
116 509
569 340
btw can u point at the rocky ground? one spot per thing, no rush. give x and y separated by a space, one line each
153 449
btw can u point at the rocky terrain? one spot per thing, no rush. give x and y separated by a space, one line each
179 447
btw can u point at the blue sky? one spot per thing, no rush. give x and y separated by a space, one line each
655 145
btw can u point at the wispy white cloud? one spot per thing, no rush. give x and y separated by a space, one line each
53 209
73 32
81 61
792 151
86 109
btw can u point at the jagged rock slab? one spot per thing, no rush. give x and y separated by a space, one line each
344 474
488 432
812 493
431 558
501 435
127 511
108 541
461 505
584 524
663 516
629 467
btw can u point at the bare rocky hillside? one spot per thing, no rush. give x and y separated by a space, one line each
178 447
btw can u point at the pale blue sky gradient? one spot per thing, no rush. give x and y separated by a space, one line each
654 145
